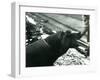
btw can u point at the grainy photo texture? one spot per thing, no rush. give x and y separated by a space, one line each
57 39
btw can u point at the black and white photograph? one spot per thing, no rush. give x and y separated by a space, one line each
53 40
56 39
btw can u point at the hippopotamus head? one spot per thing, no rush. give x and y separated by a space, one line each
69 40
62 41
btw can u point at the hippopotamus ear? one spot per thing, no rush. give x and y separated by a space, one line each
60 34
68 33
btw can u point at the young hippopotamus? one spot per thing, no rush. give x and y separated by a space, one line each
46 52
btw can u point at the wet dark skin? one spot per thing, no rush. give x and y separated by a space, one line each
42 53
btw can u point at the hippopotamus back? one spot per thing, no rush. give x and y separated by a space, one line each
45 52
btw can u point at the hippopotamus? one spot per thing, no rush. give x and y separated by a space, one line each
45 52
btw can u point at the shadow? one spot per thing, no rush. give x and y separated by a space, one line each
11 75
